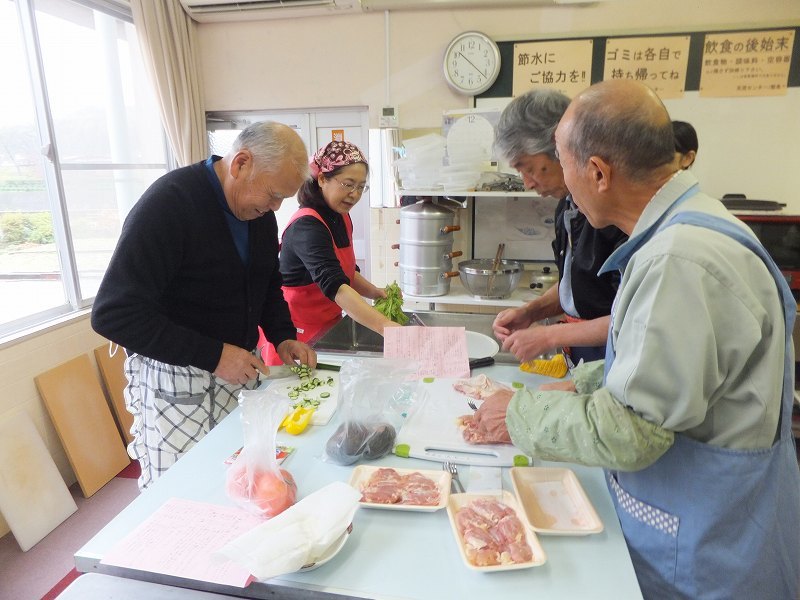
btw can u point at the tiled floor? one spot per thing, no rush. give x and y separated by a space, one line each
30 575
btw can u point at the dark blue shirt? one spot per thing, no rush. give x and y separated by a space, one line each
239 229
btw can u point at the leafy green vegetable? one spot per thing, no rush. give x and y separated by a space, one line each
392 305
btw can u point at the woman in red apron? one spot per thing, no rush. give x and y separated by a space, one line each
318 264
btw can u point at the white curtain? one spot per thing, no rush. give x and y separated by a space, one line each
167 37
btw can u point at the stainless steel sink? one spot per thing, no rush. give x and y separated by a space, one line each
349 337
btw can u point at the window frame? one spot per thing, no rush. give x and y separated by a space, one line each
76 302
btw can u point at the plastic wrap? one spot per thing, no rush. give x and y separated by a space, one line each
254 480
375 397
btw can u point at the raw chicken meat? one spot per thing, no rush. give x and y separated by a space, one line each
480 387
387 486
492 534
485 434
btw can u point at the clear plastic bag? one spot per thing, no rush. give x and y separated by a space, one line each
254 480
376 395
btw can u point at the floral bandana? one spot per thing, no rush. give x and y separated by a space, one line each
333 156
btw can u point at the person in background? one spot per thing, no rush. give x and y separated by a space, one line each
690 412
524 137
686 144
318 264
193 276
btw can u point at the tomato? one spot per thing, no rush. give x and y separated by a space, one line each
268 492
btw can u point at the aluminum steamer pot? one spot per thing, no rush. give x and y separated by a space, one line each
426 249
485 282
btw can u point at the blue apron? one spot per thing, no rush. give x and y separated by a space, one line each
711 522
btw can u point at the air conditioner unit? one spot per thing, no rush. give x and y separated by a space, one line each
212 11
377 5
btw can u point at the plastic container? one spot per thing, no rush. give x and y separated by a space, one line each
553 501
362 473
458 501
425 141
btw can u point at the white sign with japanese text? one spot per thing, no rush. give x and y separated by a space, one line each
750 63
659 62
564 65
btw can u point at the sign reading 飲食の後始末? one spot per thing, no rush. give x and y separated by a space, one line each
748 63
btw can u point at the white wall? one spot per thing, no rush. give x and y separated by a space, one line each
340 61
746 144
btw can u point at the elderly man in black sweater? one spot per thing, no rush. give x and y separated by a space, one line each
194 274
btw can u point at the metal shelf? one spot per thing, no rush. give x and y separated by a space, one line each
459 296
466 193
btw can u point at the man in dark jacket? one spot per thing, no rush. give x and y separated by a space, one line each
194 274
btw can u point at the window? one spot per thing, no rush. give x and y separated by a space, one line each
80 140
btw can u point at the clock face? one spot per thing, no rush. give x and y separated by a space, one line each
471 63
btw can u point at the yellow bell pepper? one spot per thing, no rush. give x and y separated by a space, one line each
297 421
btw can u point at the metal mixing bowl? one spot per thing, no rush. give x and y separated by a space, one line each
482 281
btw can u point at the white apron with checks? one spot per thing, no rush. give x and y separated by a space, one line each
173 408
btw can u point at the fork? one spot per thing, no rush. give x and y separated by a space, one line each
453 469
472 405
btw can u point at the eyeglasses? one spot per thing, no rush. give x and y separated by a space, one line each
350 187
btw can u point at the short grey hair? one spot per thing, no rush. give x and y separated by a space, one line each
527 124
634 136
271 143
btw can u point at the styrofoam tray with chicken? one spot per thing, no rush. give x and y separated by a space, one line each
553 501
490 532
401 489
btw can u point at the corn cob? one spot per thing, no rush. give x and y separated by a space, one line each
552 367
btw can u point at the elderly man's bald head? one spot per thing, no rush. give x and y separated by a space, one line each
624 123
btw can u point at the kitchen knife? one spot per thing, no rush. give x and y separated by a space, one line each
327 367
477 363
278 372
283 371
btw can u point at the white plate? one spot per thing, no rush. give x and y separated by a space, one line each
480 346
332 551
457 501
362 473
553 501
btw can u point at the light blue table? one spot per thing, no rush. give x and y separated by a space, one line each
390 554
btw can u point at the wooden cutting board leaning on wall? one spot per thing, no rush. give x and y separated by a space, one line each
83 421
112 369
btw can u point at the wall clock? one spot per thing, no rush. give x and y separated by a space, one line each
471 63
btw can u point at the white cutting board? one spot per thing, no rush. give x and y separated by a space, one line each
432 433
34 499
327 406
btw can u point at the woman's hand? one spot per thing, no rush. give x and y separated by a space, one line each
378 293
510 320
527 344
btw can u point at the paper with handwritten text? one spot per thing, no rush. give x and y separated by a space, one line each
440 351
179 539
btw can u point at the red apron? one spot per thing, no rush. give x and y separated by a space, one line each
311 310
